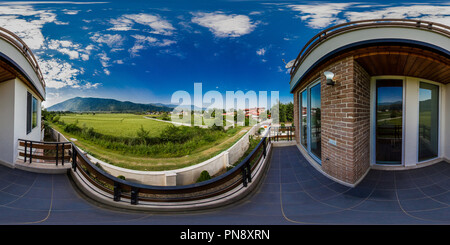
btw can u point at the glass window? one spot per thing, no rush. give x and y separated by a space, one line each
310 117
315 130
303 118
389 121
32 112
428 121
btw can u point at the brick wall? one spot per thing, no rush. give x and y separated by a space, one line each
345 109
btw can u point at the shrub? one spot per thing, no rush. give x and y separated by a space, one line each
121 177
72 128
55 119
204 175
174 141
143 135
260 130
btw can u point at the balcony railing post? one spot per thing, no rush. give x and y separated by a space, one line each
57 146
63 153
244 176
264 146
74 158
25 157
134 195
248 171
117 191
31 151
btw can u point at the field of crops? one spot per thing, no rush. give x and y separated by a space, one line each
135 142
125 125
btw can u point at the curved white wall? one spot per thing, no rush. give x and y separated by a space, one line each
7 121
14 54
13 125
356 36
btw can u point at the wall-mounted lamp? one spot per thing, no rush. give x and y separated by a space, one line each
330 77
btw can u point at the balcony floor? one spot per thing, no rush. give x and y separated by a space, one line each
293 192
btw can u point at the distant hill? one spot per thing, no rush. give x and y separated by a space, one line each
79 104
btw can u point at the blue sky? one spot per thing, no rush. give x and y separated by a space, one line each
144 51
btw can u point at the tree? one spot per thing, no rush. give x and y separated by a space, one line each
282 112
289 110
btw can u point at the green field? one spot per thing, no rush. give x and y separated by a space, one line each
114 138
125 125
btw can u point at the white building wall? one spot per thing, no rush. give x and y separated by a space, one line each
20 115
411 121
7 121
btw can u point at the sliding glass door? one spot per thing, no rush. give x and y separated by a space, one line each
428 121
310 120
303 98
315 128
389 121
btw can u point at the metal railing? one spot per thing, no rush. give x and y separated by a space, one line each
362 24
45 152
20 45
282 133
119 189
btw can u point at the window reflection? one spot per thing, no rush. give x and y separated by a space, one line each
428 121
315 121
389 121
303 118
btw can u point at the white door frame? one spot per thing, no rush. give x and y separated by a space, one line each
410 121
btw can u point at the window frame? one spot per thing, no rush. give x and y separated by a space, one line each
308 119
32 113
440 114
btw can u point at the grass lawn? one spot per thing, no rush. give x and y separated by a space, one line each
124 125
127 125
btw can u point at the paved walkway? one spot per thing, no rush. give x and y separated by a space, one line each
292 193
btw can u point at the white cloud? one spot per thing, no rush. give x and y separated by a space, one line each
142 38
223 25
143 42
115 40
58 74
261 51
29 30
89 85
104 59
436 13
156 23
320 15
71 12
121 24
74 51
85 57
47 2
255 13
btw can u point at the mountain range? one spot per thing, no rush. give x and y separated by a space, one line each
79 104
